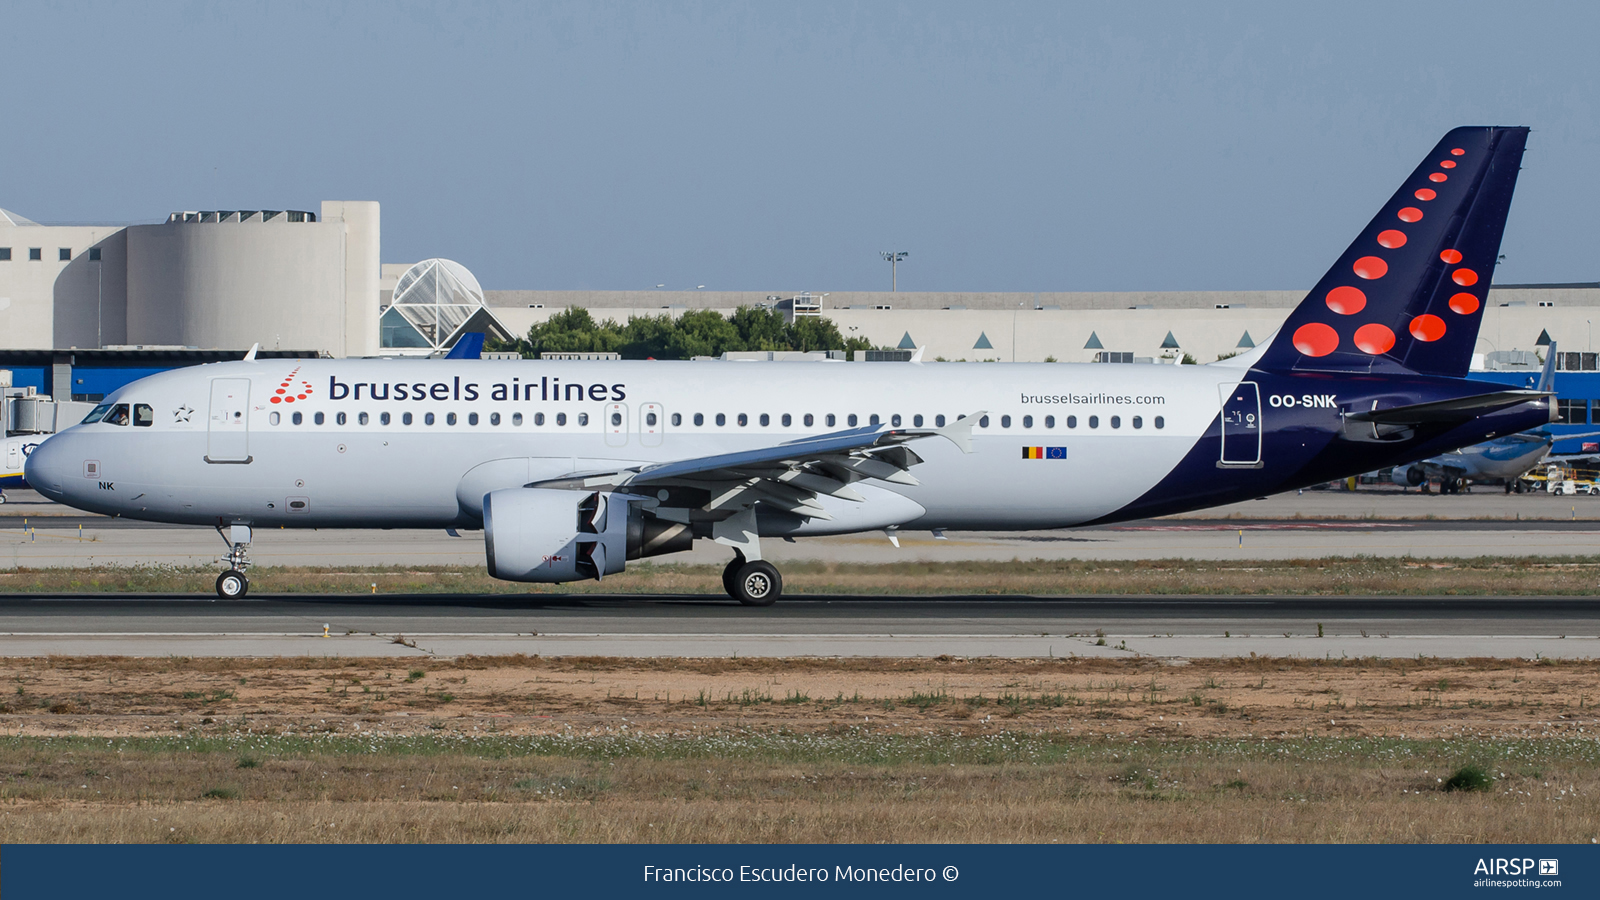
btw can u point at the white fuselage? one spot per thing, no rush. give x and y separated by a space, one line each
224 444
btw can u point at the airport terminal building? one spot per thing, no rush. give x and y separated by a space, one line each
86 308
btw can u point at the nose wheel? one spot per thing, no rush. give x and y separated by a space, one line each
232 585
753 582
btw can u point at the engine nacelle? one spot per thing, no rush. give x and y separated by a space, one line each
553 536
1411 476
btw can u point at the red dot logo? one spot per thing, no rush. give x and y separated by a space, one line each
1438 177
1425 193
1464 303
1451 256
1410 214
288 399
1374 338
1448 164
1391 239
281 391
1427 327
1316 339
277 399
1458 152
1347 301
1370 268
1464 277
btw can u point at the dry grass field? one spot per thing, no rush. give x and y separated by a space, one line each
1331 576
529 749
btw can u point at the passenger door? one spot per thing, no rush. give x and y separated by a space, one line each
228 425
1241 425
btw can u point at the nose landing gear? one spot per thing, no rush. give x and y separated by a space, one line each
232 584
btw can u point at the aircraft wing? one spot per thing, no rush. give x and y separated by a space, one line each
790 475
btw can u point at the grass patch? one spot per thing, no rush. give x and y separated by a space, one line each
1469 778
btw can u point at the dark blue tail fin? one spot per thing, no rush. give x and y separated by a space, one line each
468 346
1408 295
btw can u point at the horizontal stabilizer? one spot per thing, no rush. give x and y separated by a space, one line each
1460 409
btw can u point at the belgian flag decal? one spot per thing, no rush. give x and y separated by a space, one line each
1044 453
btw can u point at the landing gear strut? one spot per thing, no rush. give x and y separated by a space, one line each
232 584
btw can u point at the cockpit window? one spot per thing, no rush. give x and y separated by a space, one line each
118 415
143 415
96 414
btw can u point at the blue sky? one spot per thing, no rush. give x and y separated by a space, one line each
765 146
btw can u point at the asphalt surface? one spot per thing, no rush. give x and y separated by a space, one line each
1179 627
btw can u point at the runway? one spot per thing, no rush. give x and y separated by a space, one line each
694 626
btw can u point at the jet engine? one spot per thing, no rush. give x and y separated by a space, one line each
552 536
1408 476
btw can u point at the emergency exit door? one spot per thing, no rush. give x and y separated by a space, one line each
1241 425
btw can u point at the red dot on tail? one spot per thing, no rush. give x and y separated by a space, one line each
281 391
1451 256
1464 277
1347 301
1374 338
1425 193
288 399
1438 177
1464 303
1392 239
1448 164
1458 152
1427 327
1370 267
1410 214
1316 339
277 399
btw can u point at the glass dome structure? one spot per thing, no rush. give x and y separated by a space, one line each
435 302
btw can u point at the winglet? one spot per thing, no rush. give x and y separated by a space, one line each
960 431
1547 378
917 356
250 355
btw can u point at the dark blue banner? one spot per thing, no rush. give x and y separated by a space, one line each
311 872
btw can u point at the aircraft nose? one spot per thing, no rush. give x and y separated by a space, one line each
44 469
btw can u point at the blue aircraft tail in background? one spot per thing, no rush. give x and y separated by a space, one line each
468 346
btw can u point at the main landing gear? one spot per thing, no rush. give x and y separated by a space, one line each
752 582
232 584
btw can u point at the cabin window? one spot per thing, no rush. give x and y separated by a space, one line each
722 419
743 420
583 418
274 418
427 419
810 420
516 419
1072 421
1160 422
1116 421
894 421
677 419
383 418
765 420
616 419
1094 421
494 418
561 418
983 422
319 418
699 419
450 418
1027 421
649 419
1138 421
405 418
361 418
472 418
832 419
872 419
143 415
340 418
938 421
851 420
916 421
298 418
1049 421
538 418
1005 421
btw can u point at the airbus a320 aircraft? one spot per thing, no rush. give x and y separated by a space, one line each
574 468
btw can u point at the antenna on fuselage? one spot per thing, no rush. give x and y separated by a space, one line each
250 355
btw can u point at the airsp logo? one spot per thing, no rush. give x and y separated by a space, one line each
1549 867
1501 866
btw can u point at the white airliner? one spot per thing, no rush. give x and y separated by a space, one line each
573 468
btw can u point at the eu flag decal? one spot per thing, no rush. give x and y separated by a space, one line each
1044 453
